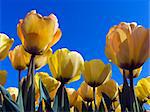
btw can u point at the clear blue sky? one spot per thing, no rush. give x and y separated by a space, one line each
84 24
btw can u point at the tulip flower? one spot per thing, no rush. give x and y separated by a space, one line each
53 92
38 33
49 82
72 95
110 88
13 91
19 58
86 92
3 77
136 72
78 103
96 72
127 45
66 66
5 45
99 100
142 89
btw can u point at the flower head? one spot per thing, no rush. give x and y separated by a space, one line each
127 45
96 72
38 33
3 77
65 65
5 45
86 92
110 88
13 91
19 57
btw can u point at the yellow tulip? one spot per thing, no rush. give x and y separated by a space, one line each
66 66
19 57
127 45
96 72
3 77
38 33
72 95
86 92
142 90
5 45
136 72
13 91
98 98
120 87
110 88
118 109
116 102
49 82
78 103
53 93
148 101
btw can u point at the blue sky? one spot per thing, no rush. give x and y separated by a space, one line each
84 24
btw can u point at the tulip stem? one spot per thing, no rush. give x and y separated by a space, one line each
132 91
62 96
19 77
94 95
30 80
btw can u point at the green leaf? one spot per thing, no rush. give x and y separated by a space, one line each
44 95
5 92
9 105
20 99
124 97
90 107
84 109
61 101
107 101
101 106
31 99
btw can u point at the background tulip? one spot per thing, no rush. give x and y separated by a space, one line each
110 88
72 95
65 65
142 89
5 45
136 72
96 72
19 57
38 33
127 45
78 103
3 77
13 91
86 92
49 82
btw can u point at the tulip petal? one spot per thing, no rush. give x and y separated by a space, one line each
56 38
5 45
3 77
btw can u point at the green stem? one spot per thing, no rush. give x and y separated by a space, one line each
62 97
94 95
133 93
30 80
19 77
87 104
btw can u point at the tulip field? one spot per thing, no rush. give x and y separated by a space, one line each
127 46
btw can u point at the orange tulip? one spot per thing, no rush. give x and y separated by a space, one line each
127 45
